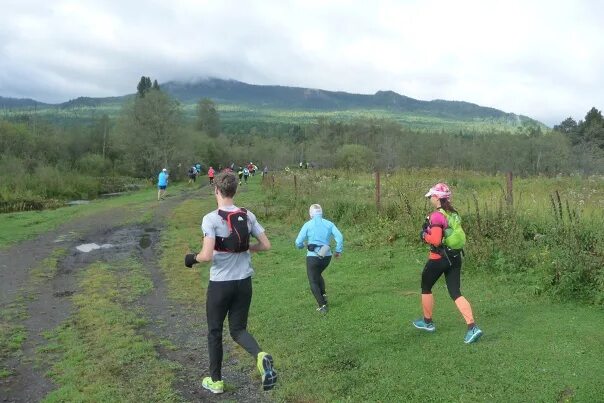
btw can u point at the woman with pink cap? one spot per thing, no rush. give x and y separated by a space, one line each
443 260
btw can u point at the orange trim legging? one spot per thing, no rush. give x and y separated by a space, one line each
435 268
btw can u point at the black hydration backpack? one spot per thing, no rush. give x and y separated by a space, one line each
239 234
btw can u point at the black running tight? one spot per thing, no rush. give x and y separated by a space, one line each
451 268
230 298
314 268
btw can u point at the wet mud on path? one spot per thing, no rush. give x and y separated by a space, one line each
50 304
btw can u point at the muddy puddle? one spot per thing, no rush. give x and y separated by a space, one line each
113 245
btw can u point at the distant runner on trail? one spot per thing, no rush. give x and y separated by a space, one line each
442 231
246 174
211 175
192 173
317 233
162 184
226 236
240 174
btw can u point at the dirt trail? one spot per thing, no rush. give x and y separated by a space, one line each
51 305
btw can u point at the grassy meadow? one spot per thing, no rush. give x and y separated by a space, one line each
532 271
538 346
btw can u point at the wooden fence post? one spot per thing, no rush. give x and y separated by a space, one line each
378 191
510 189
295 185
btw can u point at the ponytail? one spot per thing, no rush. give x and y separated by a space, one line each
446 205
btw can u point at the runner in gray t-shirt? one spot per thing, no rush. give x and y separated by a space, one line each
225 265
230 288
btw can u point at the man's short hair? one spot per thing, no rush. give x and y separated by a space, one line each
226 183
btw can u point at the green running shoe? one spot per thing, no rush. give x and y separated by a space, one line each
214 387
423 325
265 366
472 335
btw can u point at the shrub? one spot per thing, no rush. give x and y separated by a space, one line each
354 156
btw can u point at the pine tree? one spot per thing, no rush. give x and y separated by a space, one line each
144 85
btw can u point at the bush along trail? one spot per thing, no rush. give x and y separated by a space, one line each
127 323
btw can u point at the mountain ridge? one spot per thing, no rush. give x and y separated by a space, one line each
286 97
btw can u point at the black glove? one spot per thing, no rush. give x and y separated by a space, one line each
421 235
190 260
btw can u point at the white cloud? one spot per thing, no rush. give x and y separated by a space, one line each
539 58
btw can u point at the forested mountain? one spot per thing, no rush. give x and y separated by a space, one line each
10 103
273 96
295 98
93 102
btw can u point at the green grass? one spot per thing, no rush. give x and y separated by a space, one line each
101 356
365 348
47 269
178 239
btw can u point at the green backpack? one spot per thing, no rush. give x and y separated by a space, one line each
454 237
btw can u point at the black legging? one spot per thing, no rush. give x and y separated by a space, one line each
451 267
314 268
232 298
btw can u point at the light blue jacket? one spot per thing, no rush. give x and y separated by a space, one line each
162 179
319 231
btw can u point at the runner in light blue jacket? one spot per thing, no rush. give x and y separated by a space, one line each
162 184
317 234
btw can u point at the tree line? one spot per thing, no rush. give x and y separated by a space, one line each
152 132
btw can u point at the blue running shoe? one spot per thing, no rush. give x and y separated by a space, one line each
472 335
422 325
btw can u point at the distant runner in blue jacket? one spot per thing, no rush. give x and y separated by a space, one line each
317 233
162 184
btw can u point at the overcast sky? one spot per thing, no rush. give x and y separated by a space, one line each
544 59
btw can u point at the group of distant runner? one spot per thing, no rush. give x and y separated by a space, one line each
226 244
195 170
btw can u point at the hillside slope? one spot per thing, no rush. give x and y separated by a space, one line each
240 101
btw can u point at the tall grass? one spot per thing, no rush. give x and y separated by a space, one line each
25 188
550 241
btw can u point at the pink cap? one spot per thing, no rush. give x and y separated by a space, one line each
440 190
